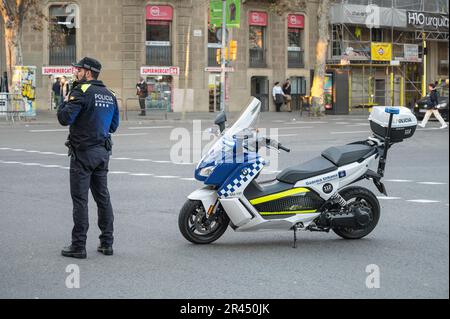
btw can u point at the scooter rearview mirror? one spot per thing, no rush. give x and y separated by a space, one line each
221 120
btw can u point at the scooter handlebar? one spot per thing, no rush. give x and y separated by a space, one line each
281 147
278 146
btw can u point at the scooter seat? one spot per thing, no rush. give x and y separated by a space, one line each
344 155
314 167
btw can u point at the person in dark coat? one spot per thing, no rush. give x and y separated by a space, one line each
91 110
432 108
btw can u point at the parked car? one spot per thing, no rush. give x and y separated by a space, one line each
421 106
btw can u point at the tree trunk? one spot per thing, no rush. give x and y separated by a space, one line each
13 45
317 92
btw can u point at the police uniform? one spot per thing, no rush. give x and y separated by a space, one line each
92 114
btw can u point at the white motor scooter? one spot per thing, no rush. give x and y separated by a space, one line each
313 196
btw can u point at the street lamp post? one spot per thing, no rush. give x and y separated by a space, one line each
222 73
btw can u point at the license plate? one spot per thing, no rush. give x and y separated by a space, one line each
422 111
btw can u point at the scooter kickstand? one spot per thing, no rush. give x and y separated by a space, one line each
295 237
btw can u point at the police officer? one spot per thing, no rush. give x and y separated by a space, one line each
92 113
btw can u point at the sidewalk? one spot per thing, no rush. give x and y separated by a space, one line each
47 117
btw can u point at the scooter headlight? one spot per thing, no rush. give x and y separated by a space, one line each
207 171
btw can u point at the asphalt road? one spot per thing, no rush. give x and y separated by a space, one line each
410 245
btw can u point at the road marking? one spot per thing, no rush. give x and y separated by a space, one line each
167 177
287 135
388 198
130 134
423 201
113 158
294 128
305 122
353 132
431 183
399 181
141 174
50 130
149 127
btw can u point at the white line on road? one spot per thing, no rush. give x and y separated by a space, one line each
431 183
399 181
287 135
304 122
388 198
423 201
50 130
130 134
353 132
113 158
294 128
149 127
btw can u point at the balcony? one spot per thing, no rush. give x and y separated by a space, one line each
62 56
159 55
296 58
257 58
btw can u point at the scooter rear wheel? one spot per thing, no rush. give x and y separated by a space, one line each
194 225
360 196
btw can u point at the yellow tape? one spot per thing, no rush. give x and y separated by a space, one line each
273 197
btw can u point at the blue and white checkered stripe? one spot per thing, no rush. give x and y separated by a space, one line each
238 184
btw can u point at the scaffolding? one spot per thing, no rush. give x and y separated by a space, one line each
400 81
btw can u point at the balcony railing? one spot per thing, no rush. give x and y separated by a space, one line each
257 58
159 55
62 56
296 59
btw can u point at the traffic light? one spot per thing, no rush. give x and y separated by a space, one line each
230 53
233 50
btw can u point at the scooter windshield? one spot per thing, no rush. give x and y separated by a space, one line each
222 151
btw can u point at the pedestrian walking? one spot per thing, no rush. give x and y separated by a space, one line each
142 93
278 96
287 95
56 89
432 108
91 111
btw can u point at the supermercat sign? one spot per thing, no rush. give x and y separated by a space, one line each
427 21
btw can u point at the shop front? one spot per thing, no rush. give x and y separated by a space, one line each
57 74
160 82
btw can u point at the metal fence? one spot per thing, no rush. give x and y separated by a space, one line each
62 56
159 55
296 59
12 106
257 58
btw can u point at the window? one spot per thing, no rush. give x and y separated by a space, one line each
336 50
257 39
443 58
158 35
62 33
296 24
214 46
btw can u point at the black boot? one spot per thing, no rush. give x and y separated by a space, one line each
105 250
74 252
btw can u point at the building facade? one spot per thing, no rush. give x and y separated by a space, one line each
171 44
387 51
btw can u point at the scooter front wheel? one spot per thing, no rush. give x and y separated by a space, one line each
196 226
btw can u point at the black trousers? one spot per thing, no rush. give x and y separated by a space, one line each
89 170
142 104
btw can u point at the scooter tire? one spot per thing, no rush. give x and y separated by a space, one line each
189 208
360 192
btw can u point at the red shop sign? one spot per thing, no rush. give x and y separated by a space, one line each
296 21
257 18
164 13
155 70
